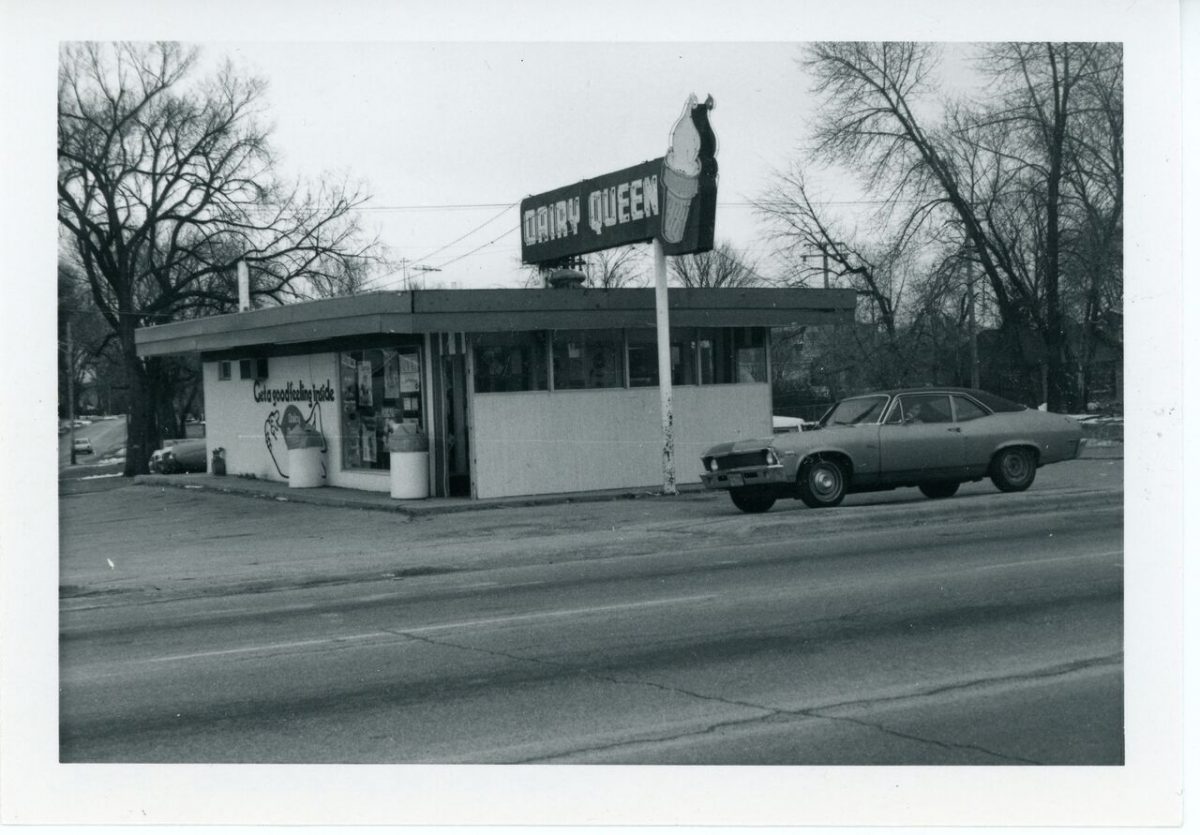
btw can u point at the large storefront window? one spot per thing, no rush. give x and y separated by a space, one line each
733 355
381 387
588 359
511 362
643 357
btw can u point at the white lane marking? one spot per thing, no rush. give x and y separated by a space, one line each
401 632
1102 555
560 613
266 647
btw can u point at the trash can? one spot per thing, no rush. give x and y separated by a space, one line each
304 460
408 447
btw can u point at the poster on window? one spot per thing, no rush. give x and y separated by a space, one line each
349 382
391 375
364 384
368 445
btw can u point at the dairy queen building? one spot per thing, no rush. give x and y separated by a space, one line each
492 393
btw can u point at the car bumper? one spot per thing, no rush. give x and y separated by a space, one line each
744 477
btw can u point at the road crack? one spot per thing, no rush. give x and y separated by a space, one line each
769 713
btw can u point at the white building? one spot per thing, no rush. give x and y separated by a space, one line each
519 391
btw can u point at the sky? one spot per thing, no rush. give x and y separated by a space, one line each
447 137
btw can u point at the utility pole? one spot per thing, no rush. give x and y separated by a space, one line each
419 268
71 389
824 250
971 327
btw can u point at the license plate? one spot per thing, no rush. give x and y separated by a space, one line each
736 480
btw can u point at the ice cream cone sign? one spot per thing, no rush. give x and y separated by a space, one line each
689 178
671 198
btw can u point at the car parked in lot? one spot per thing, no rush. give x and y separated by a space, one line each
931 438
181 456
83 445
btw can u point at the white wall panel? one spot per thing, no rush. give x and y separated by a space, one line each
249 430
568 441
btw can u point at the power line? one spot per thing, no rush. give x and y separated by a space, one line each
481 246
467 234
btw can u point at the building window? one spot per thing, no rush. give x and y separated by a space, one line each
225 370
511 362
588 359
643 357
733 355
381 388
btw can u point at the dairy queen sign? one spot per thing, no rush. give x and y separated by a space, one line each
672 198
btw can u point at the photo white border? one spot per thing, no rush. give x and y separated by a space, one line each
1144 792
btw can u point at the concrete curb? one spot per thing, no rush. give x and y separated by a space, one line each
363 500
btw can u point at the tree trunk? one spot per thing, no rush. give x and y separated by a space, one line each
142 434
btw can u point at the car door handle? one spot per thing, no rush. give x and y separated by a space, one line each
954 429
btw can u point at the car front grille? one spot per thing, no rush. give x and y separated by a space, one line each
757 458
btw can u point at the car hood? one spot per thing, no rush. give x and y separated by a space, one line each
747 445
789 440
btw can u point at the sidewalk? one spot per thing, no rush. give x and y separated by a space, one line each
370 500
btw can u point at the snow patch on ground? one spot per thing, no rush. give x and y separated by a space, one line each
102 475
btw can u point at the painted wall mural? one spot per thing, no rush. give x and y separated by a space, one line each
290 427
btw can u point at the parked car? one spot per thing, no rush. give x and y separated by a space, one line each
84 445
933 439
181 456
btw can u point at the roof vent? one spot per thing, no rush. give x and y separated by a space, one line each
566 278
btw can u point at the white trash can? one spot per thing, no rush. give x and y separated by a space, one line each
304 467
409 448
410 475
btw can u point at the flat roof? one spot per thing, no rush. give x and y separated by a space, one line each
489 311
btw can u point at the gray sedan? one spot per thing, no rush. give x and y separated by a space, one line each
933 439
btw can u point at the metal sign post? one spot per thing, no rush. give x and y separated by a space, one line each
663 326
670 201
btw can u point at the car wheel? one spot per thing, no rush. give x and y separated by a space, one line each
752 499
1013 469
939 489
822 483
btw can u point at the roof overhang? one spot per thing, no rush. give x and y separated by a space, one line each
453 311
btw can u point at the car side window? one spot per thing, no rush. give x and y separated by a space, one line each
896 413
965 409
926 408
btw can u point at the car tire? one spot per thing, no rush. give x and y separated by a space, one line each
939 489
821 483
752 499
1013 469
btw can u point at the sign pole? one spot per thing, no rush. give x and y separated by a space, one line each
663 327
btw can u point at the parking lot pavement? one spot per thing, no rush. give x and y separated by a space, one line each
145 539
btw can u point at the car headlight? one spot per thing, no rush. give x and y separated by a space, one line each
772 458
713 466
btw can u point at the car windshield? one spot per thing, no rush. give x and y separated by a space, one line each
854 411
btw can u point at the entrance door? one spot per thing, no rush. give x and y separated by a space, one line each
453 453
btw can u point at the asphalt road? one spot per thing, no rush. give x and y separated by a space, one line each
982 629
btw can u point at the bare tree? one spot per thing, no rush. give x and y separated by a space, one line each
612 268
723 266
164 183
991 178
